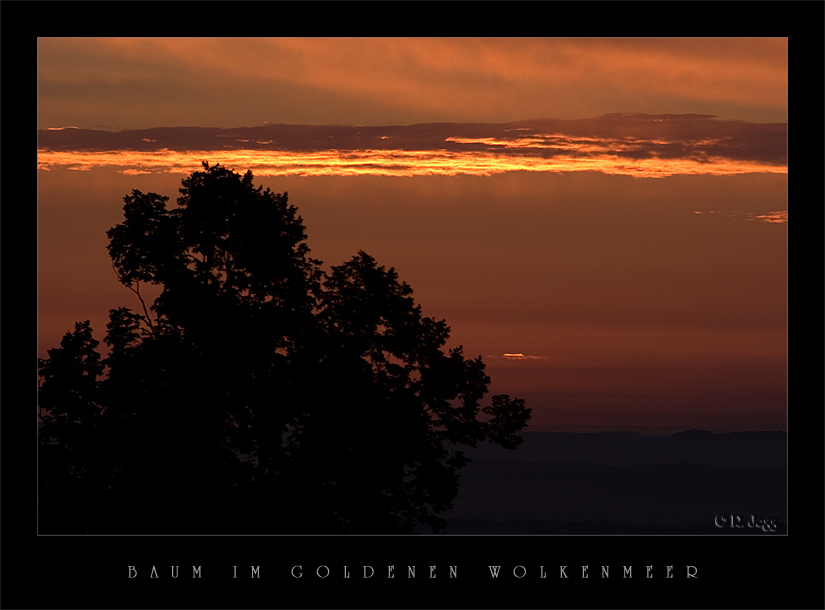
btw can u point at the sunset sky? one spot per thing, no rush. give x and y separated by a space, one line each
603 220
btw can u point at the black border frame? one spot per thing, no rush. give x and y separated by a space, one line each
733 571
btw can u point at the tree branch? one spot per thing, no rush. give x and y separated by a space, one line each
146 317
143 303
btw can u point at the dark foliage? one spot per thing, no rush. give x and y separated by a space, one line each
257 393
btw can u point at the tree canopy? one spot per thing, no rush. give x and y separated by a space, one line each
258 393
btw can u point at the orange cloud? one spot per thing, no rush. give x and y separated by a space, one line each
520 356
139 82
389 163
630 145
775 217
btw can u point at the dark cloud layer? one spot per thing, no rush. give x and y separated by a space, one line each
633 136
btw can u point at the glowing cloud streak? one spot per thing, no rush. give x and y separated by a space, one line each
392 163
642 146
775 217
520 356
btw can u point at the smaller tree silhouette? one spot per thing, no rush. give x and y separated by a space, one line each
257 393
72 442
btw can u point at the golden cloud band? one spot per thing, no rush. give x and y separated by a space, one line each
393 163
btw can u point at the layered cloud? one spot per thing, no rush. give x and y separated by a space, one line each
638 145
140 82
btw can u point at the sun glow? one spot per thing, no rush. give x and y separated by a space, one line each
520 356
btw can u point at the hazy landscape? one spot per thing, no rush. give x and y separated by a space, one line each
624 483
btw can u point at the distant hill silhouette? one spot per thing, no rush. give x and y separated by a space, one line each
624 483
768 449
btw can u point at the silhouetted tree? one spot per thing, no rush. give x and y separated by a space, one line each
76 471
257 393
